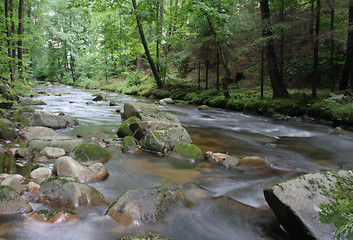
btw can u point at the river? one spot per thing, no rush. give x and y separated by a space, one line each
229 203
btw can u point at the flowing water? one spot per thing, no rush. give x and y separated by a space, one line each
229 204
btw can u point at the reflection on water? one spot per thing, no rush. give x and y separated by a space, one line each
229 204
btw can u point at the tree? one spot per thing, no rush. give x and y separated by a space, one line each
316 48
348 65
20 35
145 45
278 87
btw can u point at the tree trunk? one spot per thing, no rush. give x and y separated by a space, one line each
20 36
147 51
282 40
199 79
316 49
262 71
225 64
72 67
332 43
11 31
278 87
207 64
347 70
217 69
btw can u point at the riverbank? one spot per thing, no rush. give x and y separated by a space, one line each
335 109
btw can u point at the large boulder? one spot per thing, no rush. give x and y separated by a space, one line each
11 202
129 145
156 135
53 121
67 166
67 144
7 129
68 192
309 206
13 181
146 205
124 129
39 132
147 112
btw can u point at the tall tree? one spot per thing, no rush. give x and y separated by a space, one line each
278 87
348 65
20 35
145 45
316 48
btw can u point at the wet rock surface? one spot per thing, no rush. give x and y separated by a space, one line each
53 121
11 202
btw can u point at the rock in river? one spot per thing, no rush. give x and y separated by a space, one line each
53 121
298 203
146 205
11 202
68 192
67 166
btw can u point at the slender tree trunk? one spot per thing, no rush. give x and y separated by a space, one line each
347 70
199 79
12 44
332 43
8 31
278 87
217 69
282 40
72 67
207 64
316 49
147 51
225 64
20 35
262 71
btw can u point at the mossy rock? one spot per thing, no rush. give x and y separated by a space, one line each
54 215
7 164
28 102
203 107
89 152
146 236
337 131
11 202
153 141
124 129
187 151
129 145
7 130
26 109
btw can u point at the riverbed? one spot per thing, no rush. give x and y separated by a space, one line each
228 203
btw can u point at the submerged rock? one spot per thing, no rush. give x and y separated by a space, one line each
68 192
223 159
146 205
297 202
67 166
187 151
90 152
146 236
147 112
11 202
53 121
54 216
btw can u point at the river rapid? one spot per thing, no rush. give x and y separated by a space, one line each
229 203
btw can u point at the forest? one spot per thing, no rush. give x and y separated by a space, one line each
293 58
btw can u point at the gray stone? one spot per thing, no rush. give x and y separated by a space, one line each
13 181
203 107
68 192
41 173
67 166
147 112
223 159
148 205
11 202
67 144
165 101
53 121
39 132
129 145
295 202
33 188
52 152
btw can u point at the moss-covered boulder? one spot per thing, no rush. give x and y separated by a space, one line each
11 202
314 206
54 215
146 205
90 152
68 192
146 236
29 102
67 144
203 107
13 181
147 112
129 145
337 131
187 151
7 164
153 141
67 166
124 129
7 129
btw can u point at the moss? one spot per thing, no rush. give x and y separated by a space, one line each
27 102
124 129
4 196
50 213
187 150
63 180
7 164
129 144
91 152
146 236
6 129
